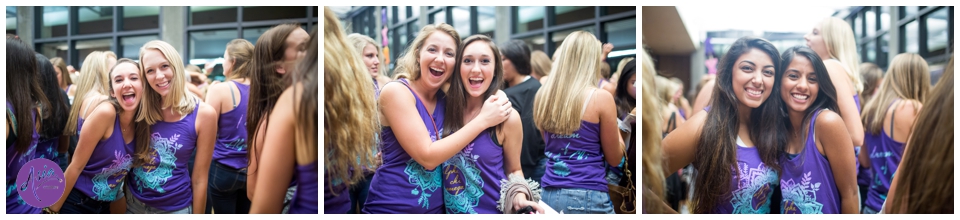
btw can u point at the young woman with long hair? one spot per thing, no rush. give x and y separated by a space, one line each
889 120
472 178
372 56
63 76
95 177
651 170
276 53
834 42
921 184
412 113
818 166
53 143
350 113
178 123
541 64
24 96
94 84
579 125
227 190
293 139
735 144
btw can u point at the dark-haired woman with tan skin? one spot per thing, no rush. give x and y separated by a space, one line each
920 187
23 96
734 143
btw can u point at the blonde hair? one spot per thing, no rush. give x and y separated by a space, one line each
94 77
359 42
408 64
241 53
179 99
652 173
557 105
350 110
540 62
840 42
620 66
665 89
907 78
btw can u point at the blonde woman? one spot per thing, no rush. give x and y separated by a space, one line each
372 57
652 168
541 64
178 123
669 112
92 88
834 42
579 122
889 120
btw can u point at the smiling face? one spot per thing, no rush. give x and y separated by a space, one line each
477 68
800 85
126 84
371 60
158 70
753 75
815 41
437 58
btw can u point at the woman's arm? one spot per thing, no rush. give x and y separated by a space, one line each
610 141
848 107
512 146
206 135
679 147
278 160
399 109
835 145
98 126
254 155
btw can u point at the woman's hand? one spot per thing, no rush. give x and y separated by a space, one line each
520 201
495 110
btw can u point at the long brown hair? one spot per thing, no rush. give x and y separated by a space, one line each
908 78
305 107
930 153
716 154
62 66
266 84
23 92
349 110
457 95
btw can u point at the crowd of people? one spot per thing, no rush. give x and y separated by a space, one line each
805 130
469 126
141 136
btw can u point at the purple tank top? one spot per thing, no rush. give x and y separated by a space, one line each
336 199
885 155
863 174
231 146
471 179
575 160
16 160
682 114
108 166
750 194
47 149
401 184
801 180
305 201
164 182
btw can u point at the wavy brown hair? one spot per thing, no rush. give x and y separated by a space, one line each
929 154
457 95
266 84
23 92
61 65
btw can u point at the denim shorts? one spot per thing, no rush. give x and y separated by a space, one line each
577 201
79 203
135 206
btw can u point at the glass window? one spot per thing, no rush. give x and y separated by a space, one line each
263 13
569 14
609 10
912 39
885 17
57 49
252 34
207 46
871 17
414 11
12 20
140 17
95 19
622 34
130 46
528 18
937 32
316 11
413 31
401 12
557 37
439 17
461 20
907 11
871 52
85 47
536 42
858 26
884 50
212 14
54 21
486 22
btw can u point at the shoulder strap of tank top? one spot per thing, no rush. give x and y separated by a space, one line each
893 114
672 123
232 98
435 129
586 102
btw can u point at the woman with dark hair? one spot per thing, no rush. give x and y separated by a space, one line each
735 143
53 143
521 88
888 121
626 93
23 119
818 147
